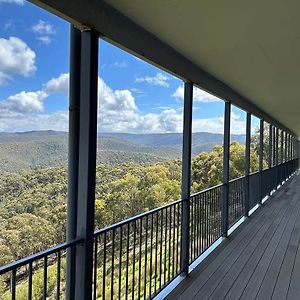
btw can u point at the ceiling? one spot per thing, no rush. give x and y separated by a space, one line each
251 46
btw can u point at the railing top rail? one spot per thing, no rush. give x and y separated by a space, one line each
207 190
134 218
29 259
236 179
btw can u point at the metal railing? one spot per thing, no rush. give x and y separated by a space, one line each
38 276
138 257
205 220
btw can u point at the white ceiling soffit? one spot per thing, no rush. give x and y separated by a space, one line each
252 46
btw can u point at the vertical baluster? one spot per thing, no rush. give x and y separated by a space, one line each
127 261
156 251
120 261
151 250
174 240
140 258
104 268
112 264
161 247
13 284
58 274
165 254
30 281
95 267
133 258
170 236
45 278
177 239
146 254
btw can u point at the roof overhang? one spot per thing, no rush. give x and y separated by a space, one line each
247 52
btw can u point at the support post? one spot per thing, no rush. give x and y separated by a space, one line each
270 147
276 155
260 162
247 162
285 155
73 153
87 163
226 153
281 157
274 142
186 175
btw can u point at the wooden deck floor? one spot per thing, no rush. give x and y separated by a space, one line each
260 260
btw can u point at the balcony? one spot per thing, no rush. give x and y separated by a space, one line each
259 260
236 240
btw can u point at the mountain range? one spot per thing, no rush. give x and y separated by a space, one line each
39 149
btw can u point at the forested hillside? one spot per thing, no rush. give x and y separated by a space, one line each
33 203
42 149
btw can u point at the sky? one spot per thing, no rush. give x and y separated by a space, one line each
133 96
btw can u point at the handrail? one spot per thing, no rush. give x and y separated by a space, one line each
34 257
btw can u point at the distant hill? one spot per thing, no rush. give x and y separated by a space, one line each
39 149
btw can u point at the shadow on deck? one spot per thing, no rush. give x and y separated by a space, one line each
259 260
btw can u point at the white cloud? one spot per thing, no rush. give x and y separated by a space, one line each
59 84
45 39
159 79
198 95
24 102
13 121
42 27
120 65
16 58
20 2
44 31
118 112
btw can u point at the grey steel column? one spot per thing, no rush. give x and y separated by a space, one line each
281 147
270 147
186 175
276 155
73 153
274 142
247 160
226 153
260 162
270 156
87 163
281 157
285 155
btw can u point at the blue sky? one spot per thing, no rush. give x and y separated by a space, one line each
134 96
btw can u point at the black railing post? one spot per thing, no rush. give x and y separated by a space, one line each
260 162
74 102
285 155
270 147
186 176
247 163
226 153
273 146
270 156
281 157
87 163
276 155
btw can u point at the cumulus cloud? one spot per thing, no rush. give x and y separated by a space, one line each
198 95
118 112
118 64
159 79
44 31
16 58
59 84
43 27
24 102
20 2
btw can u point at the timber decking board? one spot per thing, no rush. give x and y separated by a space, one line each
260 260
